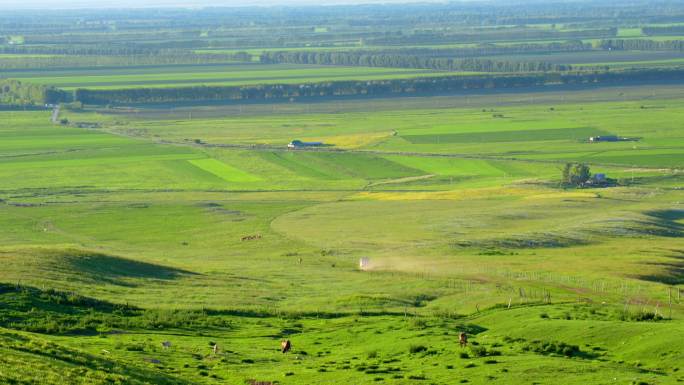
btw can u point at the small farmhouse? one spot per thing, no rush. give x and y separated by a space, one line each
600 178
299 144
606 138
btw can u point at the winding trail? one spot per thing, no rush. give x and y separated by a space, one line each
55 114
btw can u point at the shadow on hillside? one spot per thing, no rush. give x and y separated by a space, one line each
98 267
524 241
673 273
667 223
30 350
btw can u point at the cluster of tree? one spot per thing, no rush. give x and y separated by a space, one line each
422 85
575 174
666 30
16 93
641 45
407 61
60 62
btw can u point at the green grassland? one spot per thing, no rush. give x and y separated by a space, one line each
205 229
399 350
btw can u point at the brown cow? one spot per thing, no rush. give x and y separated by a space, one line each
462 339
285 346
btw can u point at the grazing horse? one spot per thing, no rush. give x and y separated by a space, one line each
285 346
166 344
462 339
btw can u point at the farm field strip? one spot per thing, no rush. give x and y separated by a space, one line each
618 64
239 75
551 133
223 171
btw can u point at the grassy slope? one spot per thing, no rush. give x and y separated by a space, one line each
398 349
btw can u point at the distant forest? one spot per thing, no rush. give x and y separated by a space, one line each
429 85
269 50
408 61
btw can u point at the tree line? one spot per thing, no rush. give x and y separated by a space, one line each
114 50
389 87
366 59
76 50
641 45
62 62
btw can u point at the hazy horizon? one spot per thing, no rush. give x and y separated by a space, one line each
88 4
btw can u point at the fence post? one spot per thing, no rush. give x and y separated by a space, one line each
669 297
